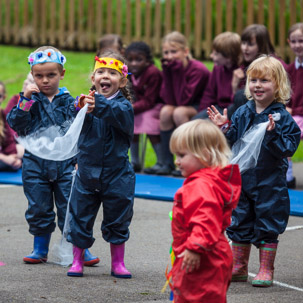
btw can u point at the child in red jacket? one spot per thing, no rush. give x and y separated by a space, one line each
201 212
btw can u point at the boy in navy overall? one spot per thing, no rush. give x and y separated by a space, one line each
41 105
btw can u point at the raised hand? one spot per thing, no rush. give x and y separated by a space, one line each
215 116
31 88
271 124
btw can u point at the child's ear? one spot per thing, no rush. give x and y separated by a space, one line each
288 41
123 82
62 74
93 78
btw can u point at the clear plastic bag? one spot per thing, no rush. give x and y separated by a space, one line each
61 252
247 149
56 143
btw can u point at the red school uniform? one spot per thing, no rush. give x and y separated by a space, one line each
146 89
183 86
296 78
201 212
218 90
8 145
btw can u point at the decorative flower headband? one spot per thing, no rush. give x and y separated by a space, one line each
48 55
111 63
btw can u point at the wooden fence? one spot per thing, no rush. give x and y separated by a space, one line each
78 24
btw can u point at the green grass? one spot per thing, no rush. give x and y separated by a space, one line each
14 69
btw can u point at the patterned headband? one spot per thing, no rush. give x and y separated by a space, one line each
111 63
48 55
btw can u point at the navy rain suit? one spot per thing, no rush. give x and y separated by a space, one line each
104 173
263 209
44 181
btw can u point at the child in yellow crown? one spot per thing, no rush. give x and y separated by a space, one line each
104 173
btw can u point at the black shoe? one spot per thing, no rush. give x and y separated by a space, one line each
176 173
164 170
152 170
291 184
136 167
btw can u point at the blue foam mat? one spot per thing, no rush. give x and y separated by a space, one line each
11 177
161 188
164 188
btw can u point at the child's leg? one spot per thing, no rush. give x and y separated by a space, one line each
134 153
76 269
167 127
241 252
265 276
118 200
40 214
62 188
156 143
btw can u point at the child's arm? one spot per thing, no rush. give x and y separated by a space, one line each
238 75
117 112
283 140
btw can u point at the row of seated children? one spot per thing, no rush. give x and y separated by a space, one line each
188 88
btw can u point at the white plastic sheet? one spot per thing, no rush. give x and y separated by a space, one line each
52 143
62 251
247 149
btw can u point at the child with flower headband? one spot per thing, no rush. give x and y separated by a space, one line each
45 182
105 175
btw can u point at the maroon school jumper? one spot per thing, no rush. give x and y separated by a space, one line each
8 146
296 79
218 90
147 89
183 86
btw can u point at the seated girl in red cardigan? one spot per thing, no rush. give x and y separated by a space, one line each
146 81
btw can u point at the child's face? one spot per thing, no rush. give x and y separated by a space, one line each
137 63
187 163
262 90
108 81
250 49
296 43
2 94
219 59
171 52
47 77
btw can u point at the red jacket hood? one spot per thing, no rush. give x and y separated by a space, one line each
226 180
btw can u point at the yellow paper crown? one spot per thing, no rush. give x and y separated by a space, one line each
111 63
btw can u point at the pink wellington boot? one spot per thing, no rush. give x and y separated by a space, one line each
241 254
118 268
76 269
265 276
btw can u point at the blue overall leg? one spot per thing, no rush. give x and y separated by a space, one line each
39 254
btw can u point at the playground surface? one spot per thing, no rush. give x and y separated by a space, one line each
147 255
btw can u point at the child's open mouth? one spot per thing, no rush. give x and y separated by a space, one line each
105 86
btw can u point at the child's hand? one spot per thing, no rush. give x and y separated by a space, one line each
271 124
90 99
31 88
191 260
238 75
215 116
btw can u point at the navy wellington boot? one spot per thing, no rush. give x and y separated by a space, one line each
39 254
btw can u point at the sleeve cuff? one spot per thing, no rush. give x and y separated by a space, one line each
24 103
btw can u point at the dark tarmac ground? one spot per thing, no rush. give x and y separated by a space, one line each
147 255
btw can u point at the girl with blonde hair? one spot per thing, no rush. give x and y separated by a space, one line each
263 209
